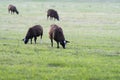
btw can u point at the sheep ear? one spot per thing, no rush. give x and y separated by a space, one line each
67 41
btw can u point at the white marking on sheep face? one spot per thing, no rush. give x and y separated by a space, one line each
64 41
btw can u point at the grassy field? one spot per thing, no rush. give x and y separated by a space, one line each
93 52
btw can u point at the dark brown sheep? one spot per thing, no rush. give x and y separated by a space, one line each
56 33
34 31
52 14
12 9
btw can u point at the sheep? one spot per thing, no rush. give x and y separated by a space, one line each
56 33
34 31
52 14
12 9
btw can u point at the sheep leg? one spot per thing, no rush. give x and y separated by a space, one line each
51 42
13 12
35 38
57 44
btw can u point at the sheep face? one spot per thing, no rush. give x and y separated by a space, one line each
25 40
63 43
17 12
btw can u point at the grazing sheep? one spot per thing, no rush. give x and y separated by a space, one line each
34 31
12 9
52 14
56 33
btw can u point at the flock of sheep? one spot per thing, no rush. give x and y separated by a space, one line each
55 32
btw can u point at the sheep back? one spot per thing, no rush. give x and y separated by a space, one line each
56 33
13 9
34 31
53 14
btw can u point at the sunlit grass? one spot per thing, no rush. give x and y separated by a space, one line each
92 54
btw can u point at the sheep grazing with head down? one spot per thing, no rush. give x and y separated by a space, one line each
12 9
52 14
56 33
33 32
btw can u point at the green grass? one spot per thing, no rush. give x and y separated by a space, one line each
92 54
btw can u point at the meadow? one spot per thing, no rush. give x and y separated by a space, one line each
93 31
